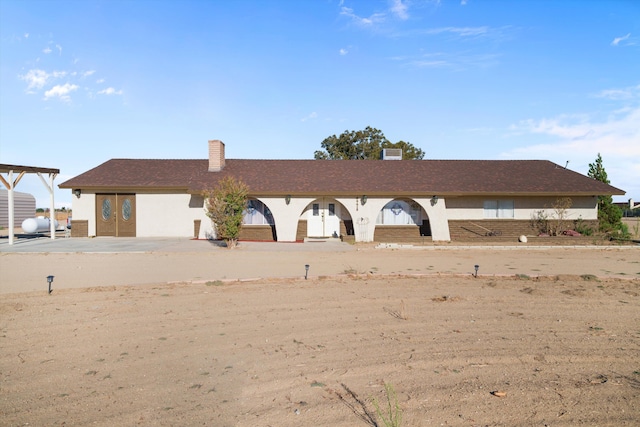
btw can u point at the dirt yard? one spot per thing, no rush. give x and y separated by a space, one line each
457 350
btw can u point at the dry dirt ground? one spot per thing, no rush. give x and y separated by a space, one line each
561 350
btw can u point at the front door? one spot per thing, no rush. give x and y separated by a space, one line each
116 215
323 219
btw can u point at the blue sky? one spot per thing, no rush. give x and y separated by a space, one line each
85 81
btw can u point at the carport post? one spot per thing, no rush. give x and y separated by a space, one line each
11 204
52 209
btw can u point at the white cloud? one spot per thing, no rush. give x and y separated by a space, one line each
618 134
35 79
110 91
456 62
26 35
373 19
59 49
313 115
88 73
463 2
46 50
620 94
400 9
617 40
460 31
100 81
343 51
579 137
60 91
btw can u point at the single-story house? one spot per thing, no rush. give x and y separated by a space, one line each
361 200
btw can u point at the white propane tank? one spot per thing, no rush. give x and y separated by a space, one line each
37 225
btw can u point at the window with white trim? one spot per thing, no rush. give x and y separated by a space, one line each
498 209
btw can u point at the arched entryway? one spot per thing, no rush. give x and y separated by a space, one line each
326 217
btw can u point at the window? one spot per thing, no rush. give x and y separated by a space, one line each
498 209
106 209
316 209
332 209
126 209
257 214
399 212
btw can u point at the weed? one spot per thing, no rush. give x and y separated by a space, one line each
317 384
214 283
589 277
522 277
391 414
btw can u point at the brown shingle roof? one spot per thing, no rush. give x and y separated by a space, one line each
348 177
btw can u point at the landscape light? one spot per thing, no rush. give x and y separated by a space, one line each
306 271
476 267
50 281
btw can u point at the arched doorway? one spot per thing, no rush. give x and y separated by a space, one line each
326 217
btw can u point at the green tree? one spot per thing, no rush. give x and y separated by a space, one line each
609 215
225 205
363 144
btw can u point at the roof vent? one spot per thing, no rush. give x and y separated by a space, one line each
392 154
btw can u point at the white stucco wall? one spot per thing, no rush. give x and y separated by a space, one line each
170 215
84 208
464 208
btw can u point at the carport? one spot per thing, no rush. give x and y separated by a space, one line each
10 182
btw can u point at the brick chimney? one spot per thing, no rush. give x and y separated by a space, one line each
216 155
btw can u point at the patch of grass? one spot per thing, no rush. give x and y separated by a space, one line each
317 384
596 328
350 270
214 283
589 277
522 277
390 413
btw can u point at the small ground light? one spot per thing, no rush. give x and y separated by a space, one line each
476 267
50 281
306 271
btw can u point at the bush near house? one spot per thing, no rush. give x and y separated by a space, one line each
225 205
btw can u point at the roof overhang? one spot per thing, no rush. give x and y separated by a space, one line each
4 168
